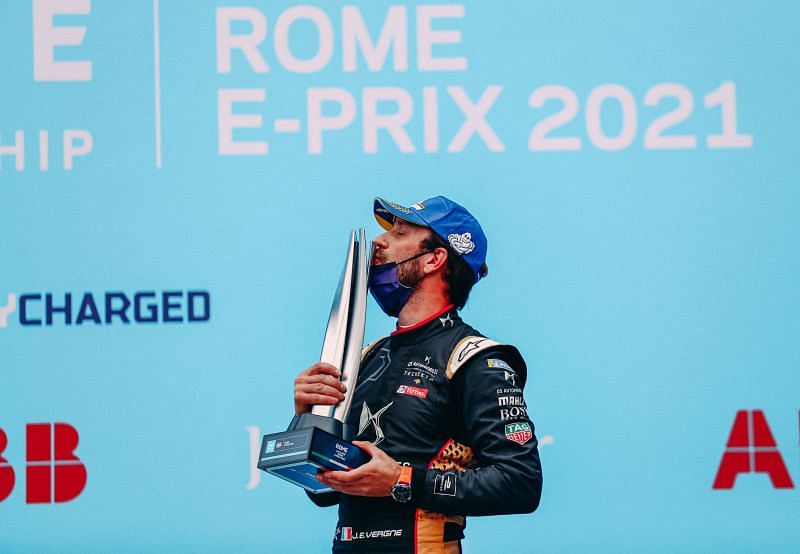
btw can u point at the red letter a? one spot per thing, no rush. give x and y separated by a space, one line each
751 448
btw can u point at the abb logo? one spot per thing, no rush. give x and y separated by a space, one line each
52 471
751 448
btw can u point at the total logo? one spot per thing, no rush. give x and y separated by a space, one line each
408 390
46 308
751 448
53 473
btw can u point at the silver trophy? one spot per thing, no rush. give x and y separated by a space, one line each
320 438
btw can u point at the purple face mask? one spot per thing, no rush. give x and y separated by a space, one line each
386 288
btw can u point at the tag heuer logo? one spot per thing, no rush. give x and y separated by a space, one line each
519 432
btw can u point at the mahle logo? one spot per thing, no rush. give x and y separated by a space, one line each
46 308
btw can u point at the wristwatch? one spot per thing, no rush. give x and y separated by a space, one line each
401 491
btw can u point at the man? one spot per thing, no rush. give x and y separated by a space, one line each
438 406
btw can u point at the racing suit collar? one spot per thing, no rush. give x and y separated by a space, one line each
427 320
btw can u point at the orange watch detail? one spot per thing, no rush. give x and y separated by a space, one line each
401 491
405 475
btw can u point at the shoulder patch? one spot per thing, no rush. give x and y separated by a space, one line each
465 350
498 363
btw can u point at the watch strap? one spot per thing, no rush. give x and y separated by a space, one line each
406 472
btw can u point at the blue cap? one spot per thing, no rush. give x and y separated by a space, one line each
450 221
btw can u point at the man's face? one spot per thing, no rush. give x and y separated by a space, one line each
401 242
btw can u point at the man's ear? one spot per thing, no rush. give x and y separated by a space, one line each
437 262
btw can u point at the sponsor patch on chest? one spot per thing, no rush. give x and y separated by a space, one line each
423 366
418 375
408 390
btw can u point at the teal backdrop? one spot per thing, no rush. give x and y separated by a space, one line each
185 176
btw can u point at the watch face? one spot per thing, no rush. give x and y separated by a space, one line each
401 493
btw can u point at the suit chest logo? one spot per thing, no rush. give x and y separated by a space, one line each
368 419
417 368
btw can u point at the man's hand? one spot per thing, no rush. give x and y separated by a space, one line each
375 478
319 384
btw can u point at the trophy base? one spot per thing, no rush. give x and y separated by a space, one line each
310 443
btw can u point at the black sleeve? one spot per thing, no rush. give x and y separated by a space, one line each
504 475
324 499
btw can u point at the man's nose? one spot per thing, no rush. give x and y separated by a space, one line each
380 241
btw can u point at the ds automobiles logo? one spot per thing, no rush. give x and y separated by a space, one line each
53 473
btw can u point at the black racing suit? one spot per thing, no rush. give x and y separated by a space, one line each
462 426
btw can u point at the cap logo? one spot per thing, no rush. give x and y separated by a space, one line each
398 208
461 243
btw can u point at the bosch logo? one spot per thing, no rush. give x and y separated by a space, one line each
69 309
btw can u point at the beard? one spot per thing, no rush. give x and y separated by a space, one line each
410 273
